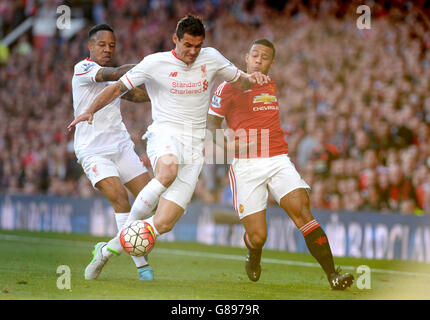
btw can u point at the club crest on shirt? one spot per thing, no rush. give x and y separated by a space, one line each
203 68
265 98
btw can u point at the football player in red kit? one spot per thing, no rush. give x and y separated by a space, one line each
266 167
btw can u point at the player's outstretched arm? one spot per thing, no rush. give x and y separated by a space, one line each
137 95
112 74
247 80
106 96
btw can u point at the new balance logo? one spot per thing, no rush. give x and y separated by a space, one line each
173 74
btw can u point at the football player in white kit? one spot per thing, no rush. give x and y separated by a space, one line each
179 84
105 149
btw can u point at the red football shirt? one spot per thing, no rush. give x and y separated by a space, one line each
254 113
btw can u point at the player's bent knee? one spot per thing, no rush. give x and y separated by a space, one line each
164 227
167 174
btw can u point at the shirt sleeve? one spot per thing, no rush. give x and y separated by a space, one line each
139 74
86 72
227 71
220 101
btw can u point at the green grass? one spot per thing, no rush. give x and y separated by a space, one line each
189 271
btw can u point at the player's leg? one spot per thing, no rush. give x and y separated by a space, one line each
115 192
162 150
254 238
163 154
117 195
289 189
134 175
135 185
103 174
175 200
248 182
107 174
166 216
296 204
256 229
166 169
177 186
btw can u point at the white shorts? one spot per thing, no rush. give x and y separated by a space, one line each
252 179
189 152
125 164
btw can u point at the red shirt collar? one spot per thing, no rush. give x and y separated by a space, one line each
176 56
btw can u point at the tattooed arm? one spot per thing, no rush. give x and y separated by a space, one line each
137 95
106 96
112 74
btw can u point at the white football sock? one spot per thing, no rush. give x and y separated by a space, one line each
113 246
121 218
146 201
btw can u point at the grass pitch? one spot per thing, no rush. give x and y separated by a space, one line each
188 271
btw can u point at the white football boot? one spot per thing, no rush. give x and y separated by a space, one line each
96 265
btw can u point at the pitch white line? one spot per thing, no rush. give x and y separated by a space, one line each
52 241
198 254
278 261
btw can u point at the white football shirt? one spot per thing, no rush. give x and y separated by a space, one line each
180 94
107 134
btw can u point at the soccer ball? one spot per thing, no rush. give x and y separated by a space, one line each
137 238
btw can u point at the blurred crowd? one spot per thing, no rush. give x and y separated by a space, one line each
353 103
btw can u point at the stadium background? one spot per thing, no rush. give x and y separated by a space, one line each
353 103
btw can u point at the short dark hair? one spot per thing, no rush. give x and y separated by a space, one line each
190 24
265 43
99 27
